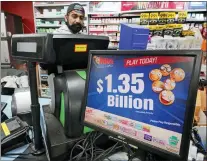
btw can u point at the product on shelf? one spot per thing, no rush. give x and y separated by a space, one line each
144 18
162 18
153 18
191 39
169 29
182 17
171 17
177 30
158 30
172 26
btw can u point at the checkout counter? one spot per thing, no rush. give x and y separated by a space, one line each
69 53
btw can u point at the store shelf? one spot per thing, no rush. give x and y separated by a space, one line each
52 17
48 25
55 16
104 13
55 4
102 31
197 10
195 20
136 12
161 10
103 24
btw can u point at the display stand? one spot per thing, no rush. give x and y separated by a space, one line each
35 107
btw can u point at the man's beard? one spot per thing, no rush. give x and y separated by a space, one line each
75 28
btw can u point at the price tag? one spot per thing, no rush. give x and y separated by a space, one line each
178 26
182 14
171 15
154 15
144 16
163 15
170 26
152 27
188 33
160 27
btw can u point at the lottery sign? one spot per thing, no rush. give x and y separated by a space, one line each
146 92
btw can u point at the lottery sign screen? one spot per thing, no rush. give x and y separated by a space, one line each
142 96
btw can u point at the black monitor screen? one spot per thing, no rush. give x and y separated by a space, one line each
143 98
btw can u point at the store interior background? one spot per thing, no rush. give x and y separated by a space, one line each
26 10
36 18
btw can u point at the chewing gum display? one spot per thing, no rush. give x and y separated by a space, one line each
144 19
159 30
182 17
169 29
177 30
187 33
171 17
153 20
162 18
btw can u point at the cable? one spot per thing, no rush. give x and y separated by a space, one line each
74 148
107 152
87 147
88 150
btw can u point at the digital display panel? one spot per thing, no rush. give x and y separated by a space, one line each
30 47
140 97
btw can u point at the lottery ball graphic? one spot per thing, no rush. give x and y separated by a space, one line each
96 59
165 69
166 97
177 74
157 86
155 75
169 84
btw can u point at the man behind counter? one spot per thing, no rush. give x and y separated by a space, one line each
74 23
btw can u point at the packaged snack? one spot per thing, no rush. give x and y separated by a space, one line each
169 29
144 19
153 20
162 18
177 30
159 30
182 17
171 17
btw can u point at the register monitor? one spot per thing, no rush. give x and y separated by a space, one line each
59 49
145 98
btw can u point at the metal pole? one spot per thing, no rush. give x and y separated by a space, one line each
35 108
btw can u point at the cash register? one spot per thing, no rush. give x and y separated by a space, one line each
62 128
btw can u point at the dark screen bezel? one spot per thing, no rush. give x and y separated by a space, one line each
190 106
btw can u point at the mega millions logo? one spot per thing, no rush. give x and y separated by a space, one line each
102 62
